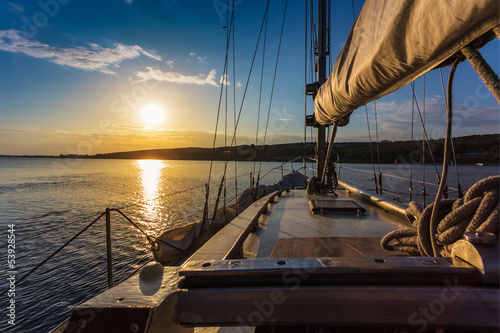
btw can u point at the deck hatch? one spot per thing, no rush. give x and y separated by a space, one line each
335 206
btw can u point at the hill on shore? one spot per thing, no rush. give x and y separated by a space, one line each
468 149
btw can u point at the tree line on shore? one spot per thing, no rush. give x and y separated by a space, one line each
468 149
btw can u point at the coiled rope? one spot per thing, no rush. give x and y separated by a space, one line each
479 210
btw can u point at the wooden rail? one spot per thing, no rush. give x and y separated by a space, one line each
236 251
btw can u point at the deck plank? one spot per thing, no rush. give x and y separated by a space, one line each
312 247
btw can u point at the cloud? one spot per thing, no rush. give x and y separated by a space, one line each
202 59
394 118
129 2
170 63
238 84
192 54
92 58
224 79
172 77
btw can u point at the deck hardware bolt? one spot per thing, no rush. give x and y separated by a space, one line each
206 264
428 262
235 263
134 327
281 262
480 237
379 261
82 323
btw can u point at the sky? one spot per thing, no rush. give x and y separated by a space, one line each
78 76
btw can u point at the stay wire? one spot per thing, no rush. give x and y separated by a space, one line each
371 149
425 132
305 83
224 78
353 11
234 114
260 94
424 193
313 41
272 87
220 97
249 75
378 149
329 49
233 140
207 193
376 134
411 147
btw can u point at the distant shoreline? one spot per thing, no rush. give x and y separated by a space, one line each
471 149
494 163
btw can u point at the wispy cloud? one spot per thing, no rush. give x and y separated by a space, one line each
92 58
395 120
224 79
129 2
170 63
172 77
192 54
202 59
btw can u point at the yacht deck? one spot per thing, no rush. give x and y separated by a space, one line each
290 230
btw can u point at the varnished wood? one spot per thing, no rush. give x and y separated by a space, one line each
406 307
312 247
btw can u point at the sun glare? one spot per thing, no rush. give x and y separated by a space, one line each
152 114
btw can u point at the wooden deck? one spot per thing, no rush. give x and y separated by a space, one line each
290 230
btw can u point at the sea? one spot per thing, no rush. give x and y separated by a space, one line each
45 202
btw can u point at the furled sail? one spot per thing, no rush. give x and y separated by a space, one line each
394 42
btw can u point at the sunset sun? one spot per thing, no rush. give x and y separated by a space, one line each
152 114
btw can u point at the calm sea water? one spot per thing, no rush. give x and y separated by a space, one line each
49 200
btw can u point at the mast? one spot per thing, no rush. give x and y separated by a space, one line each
321 67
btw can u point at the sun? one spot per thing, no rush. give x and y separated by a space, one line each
152 114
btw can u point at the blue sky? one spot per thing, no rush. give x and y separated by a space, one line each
76 74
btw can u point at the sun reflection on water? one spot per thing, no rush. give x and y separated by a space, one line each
151 177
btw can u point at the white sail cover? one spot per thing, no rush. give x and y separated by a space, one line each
392 43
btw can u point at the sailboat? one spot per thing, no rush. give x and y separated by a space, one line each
320 254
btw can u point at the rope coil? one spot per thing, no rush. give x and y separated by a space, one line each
479 210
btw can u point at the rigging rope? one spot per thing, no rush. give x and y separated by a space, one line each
483 69
460 194
478 211
272 90
442 223
446 160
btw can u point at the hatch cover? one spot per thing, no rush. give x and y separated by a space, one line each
335 206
